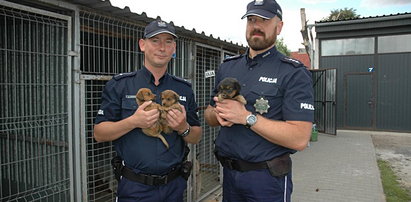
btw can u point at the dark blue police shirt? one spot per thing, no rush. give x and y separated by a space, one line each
284 82
143 153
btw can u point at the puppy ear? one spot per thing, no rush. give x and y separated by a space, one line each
140 95
161 95
176 97
237 86
220 85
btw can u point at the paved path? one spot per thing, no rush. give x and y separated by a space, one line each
337 168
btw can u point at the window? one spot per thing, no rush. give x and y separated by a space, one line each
357 46
394 44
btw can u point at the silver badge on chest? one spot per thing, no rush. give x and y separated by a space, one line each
261 105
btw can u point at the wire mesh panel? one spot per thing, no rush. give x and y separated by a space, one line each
181 65
36 113
101 184
34 117
108 45
207 178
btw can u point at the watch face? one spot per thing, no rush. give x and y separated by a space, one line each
251 119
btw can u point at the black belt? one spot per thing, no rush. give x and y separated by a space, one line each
150 179
241 165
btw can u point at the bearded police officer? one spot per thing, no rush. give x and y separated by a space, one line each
147 170
255 140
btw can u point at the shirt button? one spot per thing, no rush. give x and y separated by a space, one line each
243 84
250 68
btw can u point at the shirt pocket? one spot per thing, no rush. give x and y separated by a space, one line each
128 107
271 93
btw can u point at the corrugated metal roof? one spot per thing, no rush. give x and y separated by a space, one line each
364 18
105 6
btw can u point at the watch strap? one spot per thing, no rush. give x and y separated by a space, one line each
186 132
248 125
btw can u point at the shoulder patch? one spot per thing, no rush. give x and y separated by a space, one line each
232 58
292 61
124 75
181 80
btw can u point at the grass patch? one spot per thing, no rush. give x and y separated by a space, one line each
392 189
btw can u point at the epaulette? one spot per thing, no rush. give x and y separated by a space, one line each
292 61
124 75
181 80
232 58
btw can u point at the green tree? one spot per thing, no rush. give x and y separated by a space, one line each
282 47
342 14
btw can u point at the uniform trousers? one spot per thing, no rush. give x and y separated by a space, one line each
256 186
130 191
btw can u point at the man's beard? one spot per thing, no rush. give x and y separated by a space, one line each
259 44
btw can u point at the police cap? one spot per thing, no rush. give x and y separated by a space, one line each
158 27
264 8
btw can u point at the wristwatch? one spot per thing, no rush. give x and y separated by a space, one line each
250 120
186 132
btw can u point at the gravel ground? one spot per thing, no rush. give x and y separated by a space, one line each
396 149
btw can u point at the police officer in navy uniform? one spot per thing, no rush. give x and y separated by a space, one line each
147 170
256 139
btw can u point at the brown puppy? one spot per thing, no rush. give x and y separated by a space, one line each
169 100
144 95
229 88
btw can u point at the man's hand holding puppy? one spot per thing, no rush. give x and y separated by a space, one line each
229 112
145 119
109 130
177 120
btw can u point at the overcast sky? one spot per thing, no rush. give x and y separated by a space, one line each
222 18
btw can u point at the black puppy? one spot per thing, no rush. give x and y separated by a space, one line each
229 88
